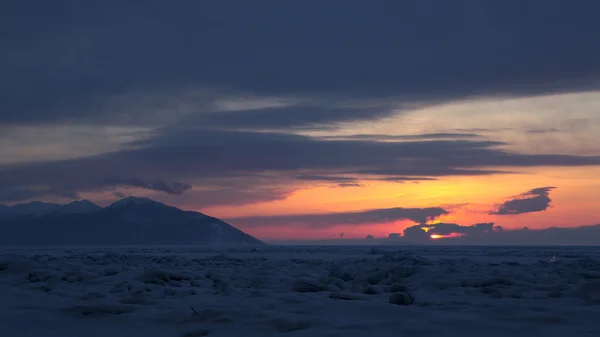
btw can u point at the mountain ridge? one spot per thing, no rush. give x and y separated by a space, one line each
129 221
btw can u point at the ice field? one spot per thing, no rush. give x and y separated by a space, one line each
300 291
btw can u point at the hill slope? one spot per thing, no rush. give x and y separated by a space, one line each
130 221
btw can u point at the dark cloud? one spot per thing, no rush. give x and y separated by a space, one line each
169 187
574 236
67 61
535 200
406 179
423 232
22 194
208 156
411 169
227 192
313 116
482 234
482 130
324 220
394 236
296 151
352 181
405 137
234 195
542 131
325 178
350 185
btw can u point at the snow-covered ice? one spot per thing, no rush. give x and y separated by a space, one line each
300 291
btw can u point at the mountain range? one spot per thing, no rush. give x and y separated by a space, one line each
129 221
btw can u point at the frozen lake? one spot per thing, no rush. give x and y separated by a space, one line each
300 291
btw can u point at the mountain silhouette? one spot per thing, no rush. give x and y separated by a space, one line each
129 221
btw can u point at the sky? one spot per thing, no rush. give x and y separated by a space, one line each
309 120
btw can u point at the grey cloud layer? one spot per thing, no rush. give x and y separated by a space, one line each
325 220
425 136
169 187
67 60
176 158
296 116
24 193
352 181
167 66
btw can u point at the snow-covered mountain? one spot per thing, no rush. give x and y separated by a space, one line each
33 208
135 202
130 221
39 208
77 207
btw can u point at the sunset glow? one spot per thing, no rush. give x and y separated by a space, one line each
381 130
446 236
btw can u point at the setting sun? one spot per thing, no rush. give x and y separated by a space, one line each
446 236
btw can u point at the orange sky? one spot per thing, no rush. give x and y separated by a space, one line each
574 202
